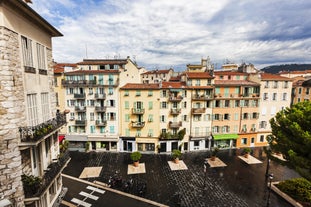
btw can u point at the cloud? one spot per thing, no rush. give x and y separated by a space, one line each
165 33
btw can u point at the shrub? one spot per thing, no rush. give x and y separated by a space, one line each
247 150
297 188
215 151
176 154
135 156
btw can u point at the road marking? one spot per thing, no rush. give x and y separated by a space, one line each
82 203
95 189
89 195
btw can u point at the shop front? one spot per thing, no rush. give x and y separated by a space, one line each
225 141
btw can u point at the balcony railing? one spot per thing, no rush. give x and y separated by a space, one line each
174 124
136 124
101 122
198 111
80 122
80 108
100 96
79 95
202 97
78 83
53 170
35 133
175 111
100 108
138 111
175 98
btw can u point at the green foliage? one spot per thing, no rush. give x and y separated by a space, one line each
297 188
167 135
247 150
31 183
176 154
291 136
215 151
87 146
135 156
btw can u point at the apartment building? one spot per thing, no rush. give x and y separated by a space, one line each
235 109
29 147
92 97
301 89
275 95
156 76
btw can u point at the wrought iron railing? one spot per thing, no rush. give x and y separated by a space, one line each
49 176
35 133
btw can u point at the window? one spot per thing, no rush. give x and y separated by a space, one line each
150 118
225 129
263 124
32 109
90 91
41 56
284 96
237 103
163 94
197 117
216 117
267 84
226 116
126 93
244 141
227 103
262 138
150 104
217 103
92 129
216 129
126 105
127 117
185 118
27 54
245 115
162 118
163 105
138 93
198 82
92 116
185 104
265 96
110 91
286 84
45 106
111 129
275 85
274 96
150 93
255 115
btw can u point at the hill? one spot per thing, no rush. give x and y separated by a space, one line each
287 67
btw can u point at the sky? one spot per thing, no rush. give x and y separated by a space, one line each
161 34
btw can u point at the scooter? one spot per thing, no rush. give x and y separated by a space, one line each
128 185
115 180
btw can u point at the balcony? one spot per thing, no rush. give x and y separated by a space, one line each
52 171
138 111
79 95
198 110
36 133
80 108
76 83
175 98
203 97
136 124
80 122
174 124
100 108
175 111
100 122
100 96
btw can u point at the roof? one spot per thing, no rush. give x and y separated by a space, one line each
223 72
236 83
140 86
75 72
22 8
157 71
295 72
173 84
306 83
102 61
60 67
269 76
198 75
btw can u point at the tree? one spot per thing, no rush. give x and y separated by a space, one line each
291 136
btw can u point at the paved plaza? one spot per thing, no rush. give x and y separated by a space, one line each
230 180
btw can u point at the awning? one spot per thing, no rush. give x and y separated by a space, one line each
61 137
77 138
225 136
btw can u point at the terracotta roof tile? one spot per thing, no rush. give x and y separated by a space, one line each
198 75
229 73
269 76
157 72
140 86
236 83
102 61
173 84
92 72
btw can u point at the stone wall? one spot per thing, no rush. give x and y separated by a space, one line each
12 115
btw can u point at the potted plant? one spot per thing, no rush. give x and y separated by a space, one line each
214 153
176 154
135 156
246 152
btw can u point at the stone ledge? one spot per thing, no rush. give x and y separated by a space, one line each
216 163
284 195
250 160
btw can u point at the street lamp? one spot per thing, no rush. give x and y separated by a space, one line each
270 180
205 171
267 169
